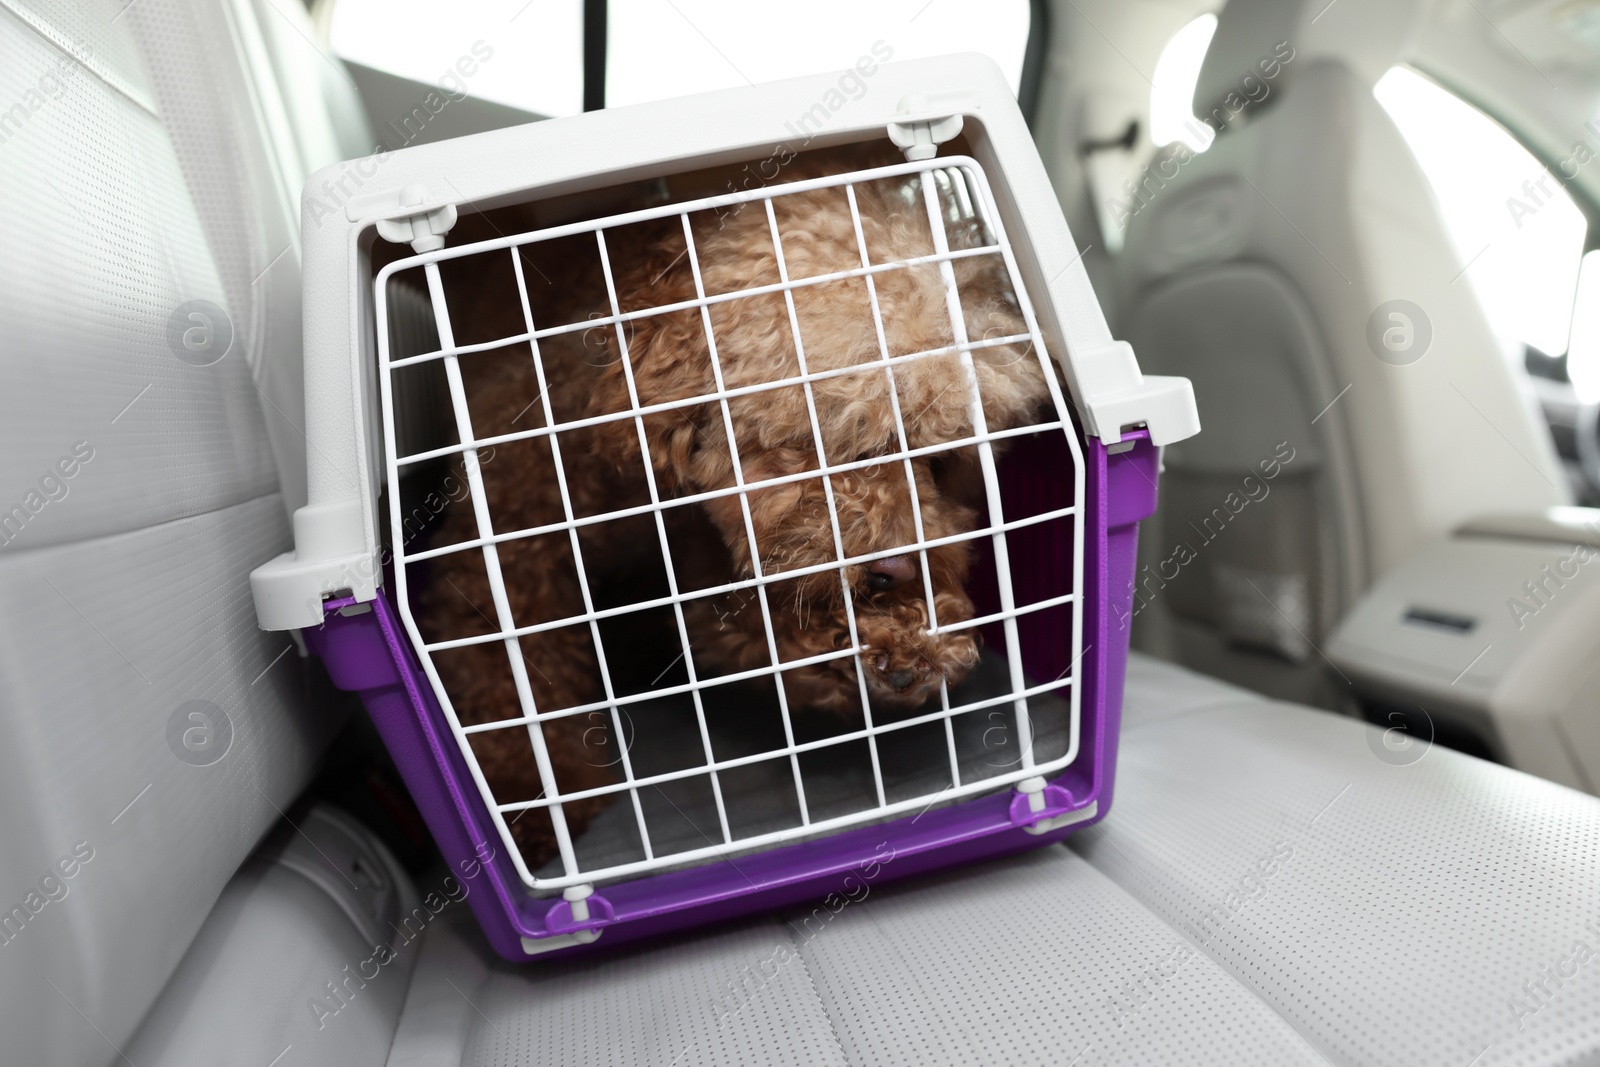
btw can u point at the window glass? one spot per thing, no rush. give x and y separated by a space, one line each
1583 354
1172 87
1517 232
664 48
534 48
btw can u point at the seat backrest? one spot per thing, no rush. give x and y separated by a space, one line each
1338 438
150 418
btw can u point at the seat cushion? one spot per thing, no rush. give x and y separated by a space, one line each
1274 885
152 732
1031 960
1396 907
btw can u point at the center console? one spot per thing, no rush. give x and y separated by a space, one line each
1489 640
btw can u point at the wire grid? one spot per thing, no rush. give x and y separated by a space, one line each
965 183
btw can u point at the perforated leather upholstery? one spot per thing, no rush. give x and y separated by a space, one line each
286 964
1414 912
136 180
1406 910
1255 269
1268 889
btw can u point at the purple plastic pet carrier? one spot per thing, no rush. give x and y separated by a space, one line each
703 822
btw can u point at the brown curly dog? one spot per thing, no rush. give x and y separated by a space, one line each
859 416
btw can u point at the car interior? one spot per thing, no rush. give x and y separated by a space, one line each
1358 757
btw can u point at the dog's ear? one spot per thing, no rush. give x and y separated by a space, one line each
959 476
668 360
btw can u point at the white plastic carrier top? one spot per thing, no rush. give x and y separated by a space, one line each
417 194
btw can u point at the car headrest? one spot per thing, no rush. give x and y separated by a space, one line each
1260 44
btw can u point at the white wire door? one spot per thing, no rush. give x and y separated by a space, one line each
955 184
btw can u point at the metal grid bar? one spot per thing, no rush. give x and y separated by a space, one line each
696 401
991 477
760 581
386 397
737 490
911 476
577 560
666 550
748 675
682 305
827 490
491 564
803 746
749 522
969 190
976 183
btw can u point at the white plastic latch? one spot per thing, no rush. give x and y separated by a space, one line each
918 129
1117 395
578 896
1033 788
535 946
425 230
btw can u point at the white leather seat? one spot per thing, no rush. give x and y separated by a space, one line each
1396 913
1272 888
137 179
1267 890
1256 271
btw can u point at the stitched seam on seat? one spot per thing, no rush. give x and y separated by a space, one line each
1326 1055
276 491
816 992
906 968
55 39
1221 703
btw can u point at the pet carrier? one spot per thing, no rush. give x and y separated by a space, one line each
602 756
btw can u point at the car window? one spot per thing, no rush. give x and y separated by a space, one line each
660 49
1518 234
1583 350
526 54
1172 121
1172 85
664 48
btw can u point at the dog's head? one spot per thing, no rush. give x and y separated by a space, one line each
878 430
907 650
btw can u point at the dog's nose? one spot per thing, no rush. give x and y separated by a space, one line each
891 572
900 681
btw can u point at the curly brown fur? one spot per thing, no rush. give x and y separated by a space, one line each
669 360
541 584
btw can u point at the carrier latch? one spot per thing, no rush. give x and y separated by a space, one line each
580 911
920 127
1039 807
425 230
578 918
